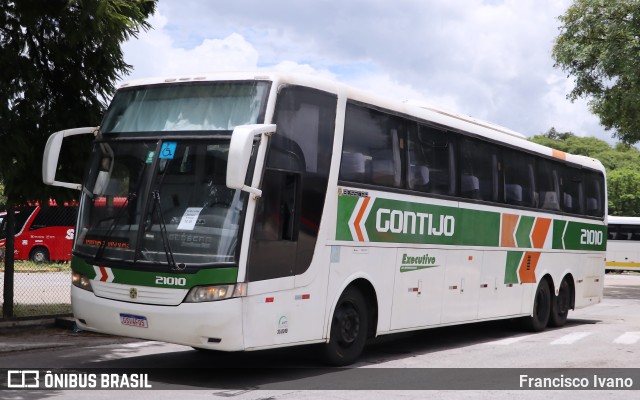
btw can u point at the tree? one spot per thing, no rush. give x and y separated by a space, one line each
59 62
623 189
599 46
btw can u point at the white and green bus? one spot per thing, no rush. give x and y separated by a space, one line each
253 211
623 245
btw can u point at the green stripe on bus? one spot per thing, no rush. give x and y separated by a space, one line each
513 262
479 228
581 236
523 233
346 206
206 276
396 221
558 231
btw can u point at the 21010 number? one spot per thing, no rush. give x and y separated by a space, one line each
591 237
171 281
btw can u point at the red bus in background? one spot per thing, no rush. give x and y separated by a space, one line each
43 234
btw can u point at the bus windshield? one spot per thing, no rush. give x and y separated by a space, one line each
201 106
22 214
161 202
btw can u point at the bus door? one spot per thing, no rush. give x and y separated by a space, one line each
287 222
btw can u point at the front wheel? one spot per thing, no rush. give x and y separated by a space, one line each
560 305
349 327
541 308
39 255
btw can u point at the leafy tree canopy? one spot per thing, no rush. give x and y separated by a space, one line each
59 62
624 192
598 45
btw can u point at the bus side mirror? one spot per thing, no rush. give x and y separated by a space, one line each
240 154
52 153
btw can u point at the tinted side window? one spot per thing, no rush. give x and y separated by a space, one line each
518 170
431 161
548 184
624 232
594 193
371 149
22 215
478 170
294 184
55 216
612 231
571 191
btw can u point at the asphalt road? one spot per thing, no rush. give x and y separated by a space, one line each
603 336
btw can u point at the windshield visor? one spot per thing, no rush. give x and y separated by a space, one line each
161 202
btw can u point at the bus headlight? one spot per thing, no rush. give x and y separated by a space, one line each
199 294
81 281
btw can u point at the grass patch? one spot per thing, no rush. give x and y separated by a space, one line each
33 310
29 266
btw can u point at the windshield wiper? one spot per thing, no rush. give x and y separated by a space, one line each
157 207
116 219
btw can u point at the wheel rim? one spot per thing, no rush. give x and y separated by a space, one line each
348 323
38 257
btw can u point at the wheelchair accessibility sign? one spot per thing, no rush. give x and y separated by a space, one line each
168 150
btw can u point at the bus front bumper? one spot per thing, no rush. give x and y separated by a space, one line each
213 325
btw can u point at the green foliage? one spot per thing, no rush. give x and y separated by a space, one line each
624 192
3 199
59 62
621 161
599 46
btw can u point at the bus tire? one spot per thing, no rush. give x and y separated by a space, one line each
349 327
560 305
39 255
541 309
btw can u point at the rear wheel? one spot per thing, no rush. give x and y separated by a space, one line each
39 255
349 327
560 305
541 308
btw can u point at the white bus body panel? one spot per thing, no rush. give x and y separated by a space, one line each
189 324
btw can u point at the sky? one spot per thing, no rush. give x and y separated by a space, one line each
490 59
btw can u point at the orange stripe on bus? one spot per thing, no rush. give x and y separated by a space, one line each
540 231
509 223
559 154
359 218
528 266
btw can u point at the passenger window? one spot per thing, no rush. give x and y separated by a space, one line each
594 193
518 178
548 185
571 191
478 170
612 232
431 161
371 152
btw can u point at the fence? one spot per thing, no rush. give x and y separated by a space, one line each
37 279
39 290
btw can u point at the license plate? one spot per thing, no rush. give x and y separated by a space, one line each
134 320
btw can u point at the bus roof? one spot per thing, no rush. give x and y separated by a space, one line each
413 109
617 220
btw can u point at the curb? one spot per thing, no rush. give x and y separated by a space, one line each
42 323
